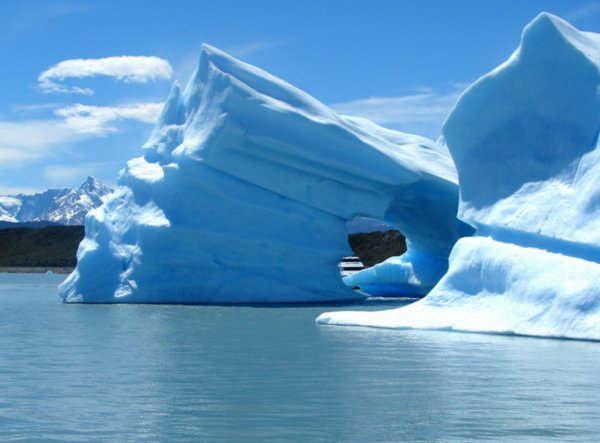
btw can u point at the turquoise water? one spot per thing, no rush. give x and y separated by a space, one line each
193 373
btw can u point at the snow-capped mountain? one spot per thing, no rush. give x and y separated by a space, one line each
63 206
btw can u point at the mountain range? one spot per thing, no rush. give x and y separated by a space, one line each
60 206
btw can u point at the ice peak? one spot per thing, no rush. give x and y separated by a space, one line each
211 51
173 112
547 19
252 79
546 33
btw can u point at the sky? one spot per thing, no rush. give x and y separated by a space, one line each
83 81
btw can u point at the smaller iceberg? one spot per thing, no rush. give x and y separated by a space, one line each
410 275
524 139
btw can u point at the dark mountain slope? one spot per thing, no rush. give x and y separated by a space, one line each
51 246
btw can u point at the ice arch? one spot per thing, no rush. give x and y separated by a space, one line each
243 194
524 138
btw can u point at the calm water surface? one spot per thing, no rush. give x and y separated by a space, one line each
193 373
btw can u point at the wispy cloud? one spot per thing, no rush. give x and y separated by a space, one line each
422 112
32 139
584 11
99 120
35 108
58 174
185 65
29 140
27 18
247 49
132 69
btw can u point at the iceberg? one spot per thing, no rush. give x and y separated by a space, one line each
399 277
524 139
244 192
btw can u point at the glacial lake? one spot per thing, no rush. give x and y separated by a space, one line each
194 373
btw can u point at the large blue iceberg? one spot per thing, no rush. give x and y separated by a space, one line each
243 194
524 139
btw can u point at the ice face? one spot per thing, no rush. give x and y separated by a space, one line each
523 137
244 191
525 142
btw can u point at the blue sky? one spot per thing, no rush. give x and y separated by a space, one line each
400 63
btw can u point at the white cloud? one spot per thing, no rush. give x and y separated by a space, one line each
422 112
584 11
133 69
29 140
98 120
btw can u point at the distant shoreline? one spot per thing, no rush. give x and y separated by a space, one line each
34 270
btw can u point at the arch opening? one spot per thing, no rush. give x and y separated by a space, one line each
372 242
